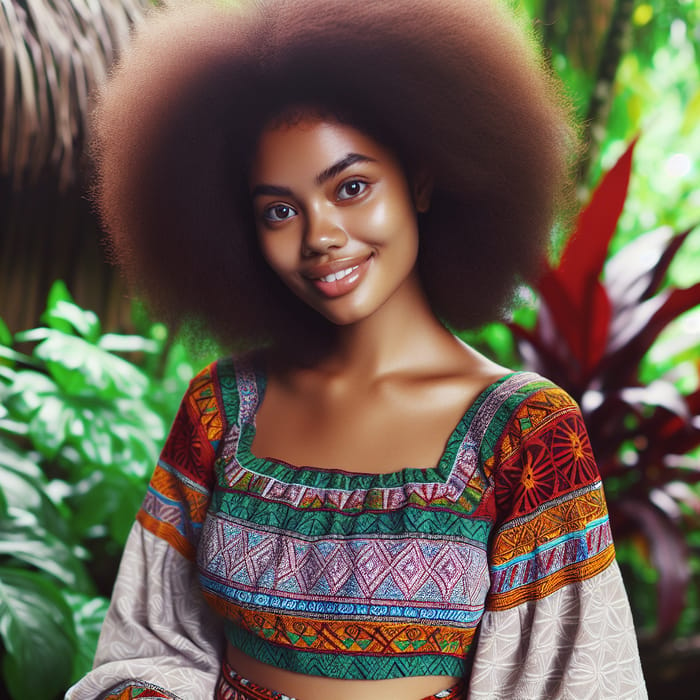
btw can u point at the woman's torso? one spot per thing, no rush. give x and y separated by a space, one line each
438 405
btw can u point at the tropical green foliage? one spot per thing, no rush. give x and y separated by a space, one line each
80 428
82 412
649 86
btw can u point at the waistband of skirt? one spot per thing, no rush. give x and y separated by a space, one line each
232 686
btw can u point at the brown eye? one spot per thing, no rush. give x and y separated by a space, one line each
351 188
278 212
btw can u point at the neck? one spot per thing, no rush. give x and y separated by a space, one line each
402 333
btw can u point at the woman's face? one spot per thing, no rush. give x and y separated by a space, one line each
335 217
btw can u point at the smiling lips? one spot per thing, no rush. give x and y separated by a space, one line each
335 276
337 282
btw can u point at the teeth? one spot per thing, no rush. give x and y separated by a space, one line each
335 276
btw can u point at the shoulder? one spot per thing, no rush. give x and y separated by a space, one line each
530 404
215 394
541 449
525 411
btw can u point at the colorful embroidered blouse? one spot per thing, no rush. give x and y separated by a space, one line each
375 576
378 576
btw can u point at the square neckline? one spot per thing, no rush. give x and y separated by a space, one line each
339 477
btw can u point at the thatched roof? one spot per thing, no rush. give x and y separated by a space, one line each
52 55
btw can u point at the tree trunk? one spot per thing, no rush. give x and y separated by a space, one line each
603 88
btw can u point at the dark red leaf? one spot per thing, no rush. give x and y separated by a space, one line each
581 325
667 505
629 272
681 476
585 252
539 357
666 434
597 319
679 437
636 272
683 462
668 551
674 426
557 316
657 394
632 321
665 262
621 366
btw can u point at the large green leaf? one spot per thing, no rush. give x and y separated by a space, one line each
37 631
49 425
121 435
113 342
24 487
23 462
3 505
27 393
7 353
106 502
58 292
112 432
65 316
5 335
23 539
81 368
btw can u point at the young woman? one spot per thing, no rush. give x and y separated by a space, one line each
355 504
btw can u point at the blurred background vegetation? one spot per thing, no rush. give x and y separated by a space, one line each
89 383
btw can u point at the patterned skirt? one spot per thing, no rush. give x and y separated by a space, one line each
231 686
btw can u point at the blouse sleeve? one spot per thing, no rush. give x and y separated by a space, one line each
159 638
557 622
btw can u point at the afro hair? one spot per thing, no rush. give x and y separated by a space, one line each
455 87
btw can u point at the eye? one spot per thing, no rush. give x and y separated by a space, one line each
278 212
351 188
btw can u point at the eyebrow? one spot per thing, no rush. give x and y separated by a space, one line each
346 162
273 190
324 176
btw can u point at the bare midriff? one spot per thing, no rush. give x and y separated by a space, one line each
305 687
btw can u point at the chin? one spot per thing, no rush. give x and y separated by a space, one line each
341 320
342 317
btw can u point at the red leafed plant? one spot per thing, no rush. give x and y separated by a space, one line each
595 323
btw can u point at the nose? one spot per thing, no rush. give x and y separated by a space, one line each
324 231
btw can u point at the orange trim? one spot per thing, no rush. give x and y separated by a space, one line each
575 573
348 637
168 533
564 518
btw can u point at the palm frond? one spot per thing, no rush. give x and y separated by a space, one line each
54 54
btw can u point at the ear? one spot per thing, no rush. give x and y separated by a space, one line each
423 190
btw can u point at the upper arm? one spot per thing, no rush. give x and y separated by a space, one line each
552 525
557 622
178 495
159 634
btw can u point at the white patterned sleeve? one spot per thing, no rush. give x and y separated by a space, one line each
576 644
557 623
159 639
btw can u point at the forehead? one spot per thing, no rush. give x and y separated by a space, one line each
300 151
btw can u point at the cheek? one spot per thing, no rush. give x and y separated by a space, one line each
380 219
277 250
395 223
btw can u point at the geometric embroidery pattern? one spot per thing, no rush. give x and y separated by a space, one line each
379 575
138 690
231 686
